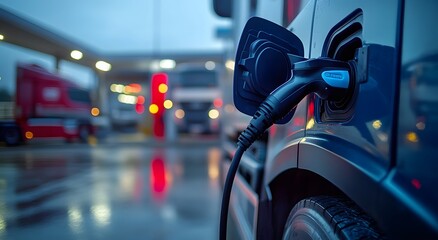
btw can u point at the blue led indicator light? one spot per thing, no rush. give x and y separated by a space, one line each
336 78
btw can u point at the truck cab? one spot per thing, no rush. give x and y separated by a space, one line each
195 93
47 106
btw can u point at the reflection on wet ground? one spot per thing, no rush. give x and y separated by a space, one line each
113 192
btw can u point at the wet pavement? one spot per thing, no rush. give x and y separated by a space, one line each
110 191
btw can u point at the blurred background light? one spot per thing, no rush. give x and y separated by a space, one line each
75 218
377 124
117 88
139 107
310 124
217 103
420 125
230 65
153 108
162 88
76 54
2 37
113 87
101 214
412 137
167 64
213 114
132 88
128 99
179 113
29 135
140 100
168 104
103 66
210 65
155 66
95 111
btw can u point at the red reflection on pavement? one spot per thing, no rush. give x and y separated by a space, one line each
158 177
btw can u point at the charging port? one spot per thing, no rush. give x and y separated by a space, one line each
343 43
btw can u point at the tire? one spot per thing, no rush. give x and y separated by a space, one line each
12 136
328 218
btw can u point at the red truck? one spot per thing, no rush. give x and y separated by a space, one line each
46 106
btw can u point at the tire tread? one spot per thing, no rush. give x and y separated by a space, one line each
345 217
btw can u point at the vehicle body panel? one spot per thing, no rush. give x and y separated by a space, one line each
283 139
355 155
380 150
409 191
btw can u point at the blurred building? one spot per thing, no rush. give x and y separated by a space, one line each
119 83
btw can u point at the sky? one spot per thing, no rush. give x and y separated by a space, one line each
113 27
128 26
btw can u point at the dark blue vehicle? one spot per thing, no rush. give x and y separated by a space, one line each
362 166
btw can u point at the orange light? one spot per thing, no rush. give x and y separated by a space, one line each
95 111
135 87
153 108
412 137
214 159
132 88
377 124
29 135
127 90
162 88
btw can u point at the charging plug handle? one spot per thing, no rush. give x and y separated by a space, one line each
328 78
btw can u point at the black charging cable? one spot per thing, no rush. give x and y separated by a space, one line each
329 79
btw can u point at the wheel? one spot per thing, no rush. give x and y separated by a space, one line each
12 136
328 218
